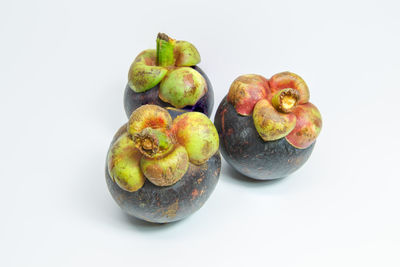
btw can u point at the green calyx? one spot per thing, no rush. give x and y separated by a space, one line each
151 67
182 87
153 143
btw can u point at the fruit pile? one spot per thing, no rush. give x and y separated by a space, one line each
164 163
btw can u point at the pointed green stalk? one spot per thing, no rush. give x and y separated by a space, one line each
165 50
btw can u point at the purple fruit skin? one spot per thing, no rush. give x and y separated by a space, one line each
244 150
134 100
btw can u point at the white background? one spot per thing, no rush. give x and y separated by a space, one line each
63 69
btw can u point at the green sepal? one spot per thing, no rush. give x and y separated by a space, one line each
143 73
183 87
186 54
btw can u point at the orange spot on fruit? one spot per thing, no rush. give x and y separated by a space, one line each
195 193
149 61
188 80
155 123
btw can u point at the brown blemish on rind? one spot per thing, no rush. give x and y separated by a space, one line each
246 91
195 193
308 126
207 147
170 211
188 80
271 124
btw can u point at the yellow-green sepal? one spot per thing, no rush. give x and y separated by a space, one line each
271 124
124 164
167 170
197 134
182 87
186 54
143 73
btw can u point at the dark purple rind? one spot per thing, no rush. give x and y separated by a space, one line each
133 100
171 203
242 147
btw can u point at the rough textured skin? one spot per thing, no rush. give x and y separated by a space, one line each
134 100
143 73
271 124
167 170
246 90
308 126
289 80
182 87
170 203
243 148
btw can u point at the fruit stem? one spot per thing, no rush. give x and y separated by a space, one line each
153 142
165 50
285 100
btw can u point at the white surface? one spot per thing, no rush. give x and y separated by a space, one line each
63 67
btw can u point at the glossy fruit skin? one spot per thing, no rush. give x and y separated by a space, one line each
242 147
170 203
133 100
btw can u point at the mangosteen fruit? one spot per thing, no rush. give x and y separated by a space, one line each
168 76
162 169
267 128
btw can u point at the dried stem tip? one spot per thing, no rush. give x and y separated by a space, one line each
285 100
163 36
153 142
